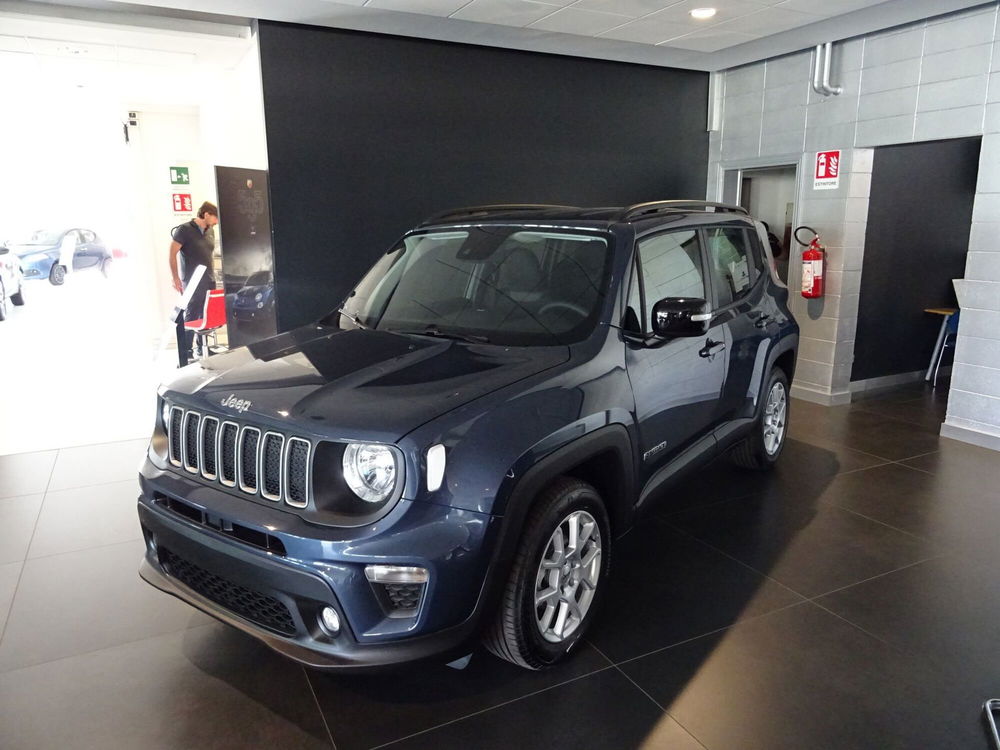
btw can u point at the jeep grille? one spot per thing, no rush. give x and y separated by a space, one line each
268 464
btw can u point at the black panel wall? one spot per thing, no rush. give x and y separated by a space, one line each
369 134
919 219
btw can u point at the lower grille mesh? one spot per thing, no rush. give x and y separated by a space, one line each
259 608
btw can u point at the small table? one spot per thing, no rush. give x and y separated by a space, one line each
946 313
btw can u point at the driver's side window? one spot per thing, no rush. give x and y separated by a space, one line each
670 265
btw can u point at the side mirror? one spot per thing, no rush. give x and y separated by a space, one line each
680 316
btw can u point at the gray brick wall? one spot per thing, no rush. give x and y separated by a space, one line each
933 80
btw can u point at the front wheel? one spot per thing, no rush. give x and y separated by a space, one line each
761 449
3 302
557 577
57 275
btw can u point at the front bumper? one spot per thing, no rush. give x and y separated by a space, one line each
276 595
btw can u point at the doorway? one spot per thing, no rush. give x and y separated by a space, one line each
915 244
768 193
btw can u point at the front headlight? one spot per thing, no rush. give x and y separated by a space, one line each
370 471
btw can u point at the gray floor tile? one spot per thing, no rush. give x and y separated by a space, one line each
207 687
81 601
804 678
17 522
86 517
98 464
602 711
25 473
9 574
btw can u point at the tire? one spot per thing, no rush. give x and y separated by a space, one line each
18 299
3 302
527 634
761 449
107 268
57 275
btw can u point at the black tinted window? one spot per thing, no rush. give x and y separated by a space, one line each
732 263
510 285
671 267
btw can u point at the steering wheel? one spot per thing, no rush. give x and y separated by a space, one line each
578 309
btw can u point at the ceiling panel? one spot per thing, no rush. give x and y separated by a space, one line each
505 12
577 21
656 32
429 7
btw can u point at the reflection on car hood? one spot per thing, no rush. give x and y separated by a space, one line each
370 385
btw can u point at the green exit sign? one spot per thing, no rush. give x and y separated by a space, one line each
179 176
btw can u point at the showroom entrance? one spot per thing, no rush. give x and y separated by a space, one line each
117 132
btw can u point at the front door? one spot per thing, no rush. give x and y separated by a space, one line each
736 269
677 383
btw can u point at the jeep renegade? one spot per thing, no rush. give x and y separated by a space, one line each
451 454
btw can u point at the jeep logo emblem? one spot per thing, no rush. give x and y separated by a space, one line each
239 404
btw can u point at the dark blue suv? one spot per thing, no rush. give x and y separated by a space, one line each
451 454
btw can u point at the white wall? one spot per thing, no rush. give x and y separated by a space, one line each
932 80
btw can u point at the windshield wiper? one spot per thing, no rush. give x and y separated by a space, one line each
353 317
436 332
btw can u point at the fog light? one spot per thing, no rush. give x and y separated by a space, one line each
330 620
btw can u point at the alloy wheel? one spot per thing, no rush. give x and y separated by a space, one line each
567 575
775 415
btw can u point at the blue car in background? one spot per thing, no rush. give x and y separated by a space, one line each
255 300
51 254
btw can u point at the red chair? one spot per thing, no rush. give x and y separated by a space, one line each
212 319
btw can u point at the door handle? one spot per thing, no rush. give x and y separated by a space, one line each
711 348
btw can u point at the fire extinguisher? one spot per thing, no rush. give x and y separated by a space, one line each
813 264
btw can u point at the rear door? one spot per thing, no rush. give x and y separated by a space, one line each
676 383
737 273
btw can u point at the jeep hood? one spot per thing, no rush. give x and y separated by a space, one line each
359 384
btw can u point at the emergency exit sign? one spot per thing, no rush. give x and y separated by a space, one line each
180 176
827 173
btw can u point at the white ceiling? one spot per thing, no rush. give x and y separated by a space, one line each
657 32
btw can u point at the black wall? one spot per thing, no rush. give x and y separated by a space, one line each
368 134
919 218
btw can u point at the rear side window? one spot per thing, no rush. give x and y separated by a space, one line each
671 267
732 263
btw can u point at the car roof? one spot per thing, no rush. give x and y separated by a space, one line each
606 216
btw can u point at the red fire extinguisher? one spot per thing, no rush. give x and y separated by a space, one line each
813 262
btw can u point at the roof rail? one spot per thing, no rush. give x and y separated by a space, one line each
656 207
484 211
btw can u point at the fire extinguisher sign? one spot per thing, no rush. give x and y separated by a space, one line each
827 173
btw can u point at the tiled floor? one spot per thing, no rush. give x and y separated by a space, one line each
850 599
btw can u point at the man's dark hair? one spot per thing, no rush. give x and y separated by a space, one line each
208 208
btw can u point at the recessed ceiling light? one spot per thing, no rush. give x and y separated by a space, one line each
702 13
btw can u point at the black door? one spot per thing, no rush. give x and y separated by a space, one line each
919 219
677 383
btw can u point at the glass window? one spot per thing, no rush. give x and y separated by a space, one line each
671 267
502 284
732 264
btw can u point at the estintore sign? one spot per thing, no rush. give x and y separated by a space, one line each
827 174
180 176
182 203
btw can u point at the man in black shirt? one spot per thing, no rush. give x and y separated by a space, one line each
193 243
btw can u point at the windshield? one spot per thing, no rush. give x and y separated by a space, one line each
505 285
43 237
259 279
